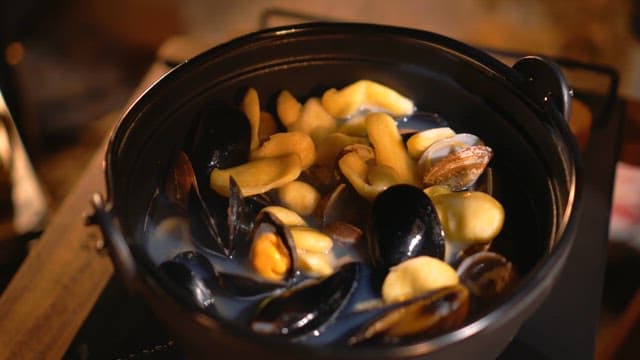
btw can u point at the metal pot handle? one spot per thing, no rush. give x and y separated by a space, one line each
114 240
543 81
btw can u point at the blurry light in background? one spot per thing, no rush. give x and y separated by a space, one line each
14 53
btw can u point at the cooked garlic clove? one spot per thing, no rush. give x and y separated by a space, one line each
469 217
299 197
288 108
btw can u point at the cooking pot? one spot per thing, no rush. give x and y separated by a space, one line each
519 111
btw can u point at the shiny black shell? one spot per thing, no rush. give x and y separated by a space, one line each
405 225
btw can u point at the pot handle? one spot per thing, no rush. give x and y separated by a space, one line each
543 81
114 240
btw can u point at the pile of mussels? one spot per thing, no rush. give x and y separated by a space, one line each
337 222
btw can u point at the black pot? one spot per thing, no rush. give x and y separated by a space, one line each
519 111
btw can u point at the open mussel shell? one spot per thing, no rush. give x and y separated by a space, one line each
405 225
308 306
205 229
428 315
223 225
267 223
237 285
239 221
221 139
192 273
487 275
182 191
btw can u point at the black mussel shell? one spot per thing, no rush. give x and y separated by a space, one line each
221 139
193 273
159 209
238 219
205 224
428 315
224 225
405 225
308 306
241 216
487 275
236 285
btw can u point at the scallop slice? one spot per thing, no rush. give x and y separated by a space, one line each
366 94
285 143
389 147
257 176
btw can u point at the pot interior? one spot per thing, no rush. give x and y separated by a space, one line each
471 92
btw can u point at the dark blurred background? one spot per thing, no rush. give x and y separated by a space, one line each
69 67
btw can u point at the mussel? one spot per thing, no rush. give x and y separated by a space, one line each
405 225
427 315
273 255
240 286
221 138
308 306
487 275
219 224
194 275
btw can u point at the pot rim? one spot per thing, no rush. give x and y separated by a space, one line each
532 288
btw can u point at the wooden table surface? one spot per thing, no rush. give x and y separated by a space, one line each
57 285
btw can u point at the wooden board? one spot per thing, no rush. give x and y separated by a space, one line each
58 283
